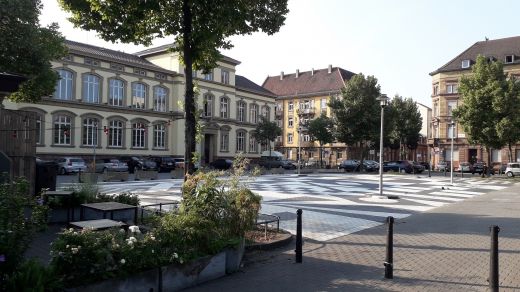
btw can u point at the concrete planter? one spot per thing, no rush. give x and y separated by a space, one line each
234 257
170 278
88 177
146 174
277 170
177 173
115 176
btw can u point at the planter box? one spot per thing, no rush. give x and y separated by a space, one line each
174 277
177 173
146 174
234 257
115 176
88 177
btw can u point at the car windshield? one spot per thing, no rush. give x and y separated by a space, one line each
114 161
168 159
77 160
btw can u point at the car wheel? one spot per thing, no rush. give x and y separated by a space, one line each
403 170
105 170
509 174
63 171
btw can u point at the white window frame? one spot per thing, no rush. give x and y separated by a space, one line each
290 106
208 76
290 138
253 144
115 133
139 135
465 64
224 142
160 96
90 129
452 88
241 111
91 88
64 86
139 95
208 105
116 92
224 75
253 113
241 141
290 122
224 107
159 136
512 59
62 123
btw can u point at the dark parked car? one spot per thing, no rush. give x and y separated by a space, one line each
350 165
138 163
480 167
425 164
399 166
417 167
222 164
164 163
370 165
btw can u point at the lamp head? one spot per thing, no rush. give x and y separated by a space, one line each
383 100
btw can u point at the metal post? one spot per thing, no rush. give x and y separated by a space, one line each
451 162
299 241
493 264
298 154
389 262
381 153
429 162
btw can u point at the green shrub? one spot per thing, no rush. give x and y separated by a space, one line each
125 198
32 276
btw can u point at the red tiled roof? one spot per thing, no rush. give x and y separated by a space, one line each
498 49
307 83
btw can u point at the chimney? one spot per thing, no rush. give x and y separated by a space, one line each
297 73
281 75
330 69
312 72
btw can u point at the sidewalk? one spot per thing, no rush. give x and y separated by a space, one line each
441 250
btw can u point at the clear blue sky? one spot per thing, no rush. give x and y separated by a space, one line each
399 41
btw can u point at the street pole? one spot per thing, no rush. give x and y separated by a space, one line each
94 147
299 149
451 154
383 99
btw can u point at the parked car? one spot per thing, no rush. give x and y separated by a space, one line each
399 166
179 162
221 163
68 165
134 163
370 165
480 167
110 164
443 166
417 167
164 163
271 161
289 164
512 169
425 164
465 167
350 165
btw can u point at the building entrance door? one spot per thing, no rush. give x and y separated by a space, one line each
472 155
207 149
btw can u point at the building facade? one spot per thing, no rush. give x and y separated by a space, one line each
445 98
301 97
109 103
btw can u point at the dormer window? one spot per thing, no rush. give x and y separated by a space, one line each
491 59
509 59
465 63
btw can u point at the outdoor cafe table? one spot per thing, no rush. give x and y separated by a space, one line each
97 224
108 207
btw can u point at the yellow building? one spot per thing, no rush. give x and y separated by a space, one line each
445 98
112 104
301 97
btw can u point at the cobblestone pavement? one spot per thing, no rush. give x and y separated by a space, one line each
442 249
334 204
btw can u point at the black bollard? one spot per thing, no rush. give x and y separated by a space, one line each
299 241
493 263
389 263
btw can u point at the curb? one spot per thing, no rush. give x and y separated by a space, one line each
272 245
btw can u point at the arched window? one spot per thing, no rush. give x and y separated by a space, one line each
116 92
138 95
64 86
115 133
90 131
62 129
253 113
91 88
224 107
39 129
159 136
253 145
160 95
138 135
208 105
241 111
241 141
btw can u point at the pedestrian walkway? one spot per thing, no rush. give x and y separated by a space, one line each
443 249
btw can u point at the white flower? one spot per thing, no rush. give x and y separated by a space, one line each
74 250
153 251
68 246
134 229
175 255
133 239
123 261
121 231
71 229
152 237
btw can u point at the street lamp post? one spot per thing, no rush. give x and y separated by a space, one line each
299 148
383 99
452 125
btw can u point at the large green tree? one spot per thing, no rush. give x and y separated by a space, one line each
406 123
199 28
320 129
356 114
266 132
26 49
489 111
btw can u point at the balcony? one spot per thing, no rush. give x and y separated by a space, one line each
306 111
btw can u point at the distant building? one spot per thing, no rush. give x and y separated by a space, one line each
301 97
445 98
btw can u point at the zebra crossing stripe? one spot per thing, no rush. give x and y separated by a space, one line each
426 202
358 212
452 194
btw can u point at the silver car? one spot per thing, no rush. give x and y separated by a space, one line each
68 165
110 164
512 169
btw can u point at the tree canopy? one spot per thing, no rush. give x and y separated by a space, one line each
26 48
406 123
320 129
490 110
199 29
266 131
356 114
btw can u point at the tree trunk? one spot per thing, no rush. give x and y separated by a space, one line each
488 172
321 155
189 102
510 152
